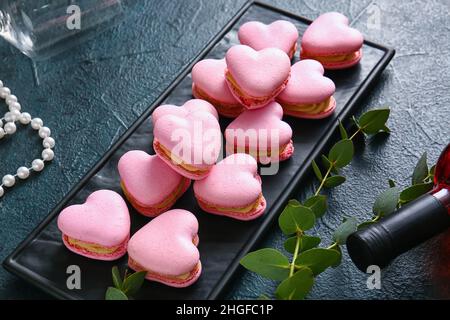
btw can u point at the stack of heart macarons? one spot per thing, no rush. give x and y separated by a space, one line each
255 85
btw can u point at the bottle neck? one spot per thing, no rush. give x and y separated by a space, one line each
443 196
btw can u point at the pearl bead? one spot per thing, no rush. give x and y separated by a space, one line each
9 117
2 133
4 92
44 132
8 180
48 154
1 83
23 172
15 106
10 127
1 123
37 123
48 142
25 118
16 114
2 192
37 165
10 99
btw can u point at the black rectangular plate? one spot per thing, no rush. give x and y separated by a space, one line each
42 259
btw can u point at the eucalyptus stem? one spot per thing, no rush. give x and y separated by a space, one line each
323 180
294 257
354 135
333 245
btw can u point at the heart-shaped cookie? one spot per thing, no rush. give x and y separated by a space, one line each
166 248
149 184
99 228
279 34
261 133
331 41
189 143
208 83
193 105
256 77
233 189
308 94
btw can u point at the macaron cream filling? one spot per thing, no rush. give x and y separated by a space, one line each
228 110
248 99
309 108
330 59
92 248
258 153
163 151
178 279
165 204
246 210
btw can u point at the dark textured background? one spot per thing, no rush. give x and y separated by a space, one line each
91 94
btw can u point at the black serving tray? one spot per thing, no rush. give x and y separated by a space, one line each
42 258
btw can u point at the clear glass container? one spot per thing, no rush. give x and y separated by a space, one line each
43 28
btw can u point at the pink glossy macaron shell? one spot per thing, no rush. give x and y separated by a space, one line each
330 34
280 34
166 246
102 220
266 122
209 76
190 106
307 84
148 179
257 74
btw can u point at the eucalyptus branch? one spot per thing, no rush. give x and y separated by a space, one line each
308 260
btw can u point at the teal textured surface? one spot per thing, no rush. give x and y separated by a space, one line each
91 94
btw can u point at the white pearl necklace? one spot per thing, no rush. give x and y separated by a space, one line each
8 127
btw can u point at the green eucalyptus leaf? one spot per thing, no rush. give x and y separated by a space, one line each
342 131
317 259
296 218
117 279
338 249
374 120
306 243
297 286
391 183
334 181
386 129
268 262
325 161
365 224
421 170
133 282
386 202
341 154
415 191
432 170
115 294
316 170
263 296
344 230
318 205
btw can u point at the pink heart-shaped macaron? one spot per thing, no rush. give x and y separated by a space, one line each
233 188
208 83
166 248
189 142
256 77
280 34
331 36
99 228
150 184
308 93
190 106
261 133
